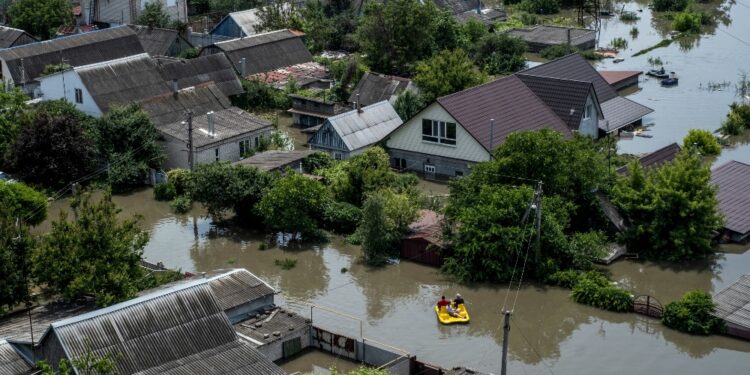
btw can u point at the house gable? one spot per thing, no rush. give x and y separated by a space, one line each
590 125
63 85
328 138
408 137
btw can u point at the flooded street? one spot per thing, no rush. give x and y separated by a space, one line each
716 57
551 334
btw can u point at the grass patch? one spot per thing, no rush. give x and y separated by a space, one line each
663 43
286 263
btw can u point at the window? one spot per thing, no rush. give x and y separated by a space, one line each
256 142
588 111
439 132
337 156
79 96
245 147
429 169
459 173
399 163
216 152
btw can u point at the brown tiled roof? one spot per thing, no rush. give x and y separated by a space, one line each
614 77
512 105
733 182
428 227
566 97
576 68
656 158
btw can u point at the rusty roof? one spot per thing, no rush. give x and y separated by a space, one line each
614 77
508 101
428 227
733 182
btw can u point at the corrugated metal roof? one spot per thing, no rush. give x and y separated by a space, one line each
512 105
733 182
238 287
567 98
228 123
11 363
191 72
246 20
273 160
361 129
77 50
576 68
266 52
619 112
170 108
733 303
550 34
156 41
656 158
374 87
9 35
15 327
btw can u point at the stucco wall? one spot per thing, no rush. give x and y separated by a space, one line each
62 86
444 167
229 150
590 126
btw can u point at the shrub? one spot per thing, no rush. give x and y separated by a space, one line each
687 22
181 204
17 200
629 16
703 140
286 263
738 119
164 192
317 161
556 51
590 55
634 32
565 279
341 217
669 5
181 179
619 43
190 53
540 6
595 289
692 314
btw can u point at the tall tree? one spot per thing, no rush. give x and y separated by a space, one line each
672 210
294 204
279 15
53 147
153 15
127 141
15 246
13 104
445 73
222 187
95 253
500 53
408 104
17 200
40 17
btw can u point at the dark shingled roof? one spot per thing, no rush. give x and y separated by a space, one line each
10 362
733 303
9 35
77 50
512 105
156 41
228 123
266 52
656 158
566 97
122 81
574 67
374 87
170 108
733 182
191 72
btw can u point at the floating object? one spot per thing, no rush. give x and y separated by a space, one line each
642 135
618 60
671 81
626 135
445 318
658 73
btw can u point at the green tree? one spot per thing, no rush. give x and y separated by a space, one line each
93 254
17 200
703 141
473 30
15 246
687 22
328 25
278 15
14 105
500 53
693 314
294 204
128 143
222 187
672 210
408 104
737 121
53 146
153 15
557 51
445 73
87 364
40 17
394 35
386 216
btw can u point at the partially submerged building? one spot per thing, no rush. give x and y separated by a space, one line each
424 241
278 160
464 10
733 306
732 181
352 132
309 113
656 158
540 37
621 79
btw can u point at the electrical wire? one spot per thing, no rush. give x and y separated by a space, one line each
549 368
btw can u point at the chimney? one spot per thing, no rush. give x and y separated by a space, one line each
243 67
479 7
174 86
211 128
359 109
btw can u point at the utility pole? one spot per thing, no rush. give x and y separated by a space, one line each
506 333
538 218
190 139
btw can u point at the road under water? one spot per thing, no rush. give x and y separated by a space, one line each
550 334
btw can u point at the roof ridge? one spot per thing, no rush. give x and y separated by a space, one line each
554 78
254 36
50 41
458 93
117 61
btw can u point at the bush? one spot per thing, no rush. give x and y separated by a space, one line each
703 140
341 217
500 53
317 161
692 314
594 289
556 51
738 119
17 200
164 192
629 17
190 53
669 5
540 6
181 179
619 43
181 204
286 263
565 279
687 22
590 55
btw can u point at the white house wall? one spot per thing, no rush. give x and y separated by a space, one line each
590 126
409 138
229 150
52 86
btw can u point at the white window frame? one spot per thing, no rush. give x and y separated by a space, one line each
78 95
429 168
439 132
588 110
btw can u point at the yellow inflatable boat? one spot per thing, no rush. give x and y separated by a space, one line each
445 318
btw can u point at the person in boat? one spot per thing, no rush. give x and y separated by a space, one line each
443 302
453 310
458 300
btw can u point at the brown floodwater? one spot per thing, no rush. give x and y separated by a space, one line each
550 333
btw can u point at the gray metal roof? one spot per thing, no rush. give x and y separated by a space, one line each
11 363
191 72
9 35
77 50
266 52
361 129
228 123
733 182
246 20
237 287
733 303
15 327
156 41
619 112
550 34
170 108
122 81
374 87
273 160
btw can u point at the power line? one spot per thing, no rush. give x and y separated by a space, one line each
549 368
734 37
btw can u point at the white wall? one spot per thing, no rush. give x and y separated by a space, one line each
590 126
229 150
409 138
63 85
